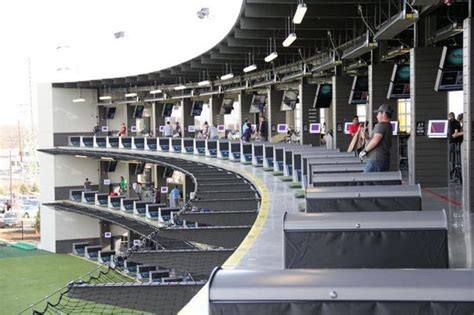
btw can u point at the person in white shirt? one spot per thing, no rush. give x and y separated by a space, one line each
168 130
213 132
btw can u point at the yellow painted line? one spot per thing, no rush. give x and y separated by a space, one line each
247 243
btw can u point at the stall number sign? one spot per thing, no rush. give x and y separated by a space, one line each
105 129
164 190
133 129
191 128
108 234
339 127
137 242
420 128
106 181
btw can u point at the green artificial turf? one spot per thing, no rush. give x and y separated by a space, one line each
28 276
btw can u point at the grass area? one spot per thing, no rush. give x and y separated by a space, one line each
28 276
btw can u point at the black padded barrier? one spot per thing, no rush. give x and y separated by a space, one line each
405 239
363 198
342 292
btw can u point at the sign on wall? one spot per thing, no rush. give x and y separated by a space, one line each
191 128
105 129
108 234
106 181
164 190
420 128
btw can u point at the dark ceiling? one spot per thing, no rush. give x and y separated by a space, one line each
261 20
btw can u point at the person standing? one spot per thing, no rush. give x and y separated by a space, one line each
354 126
213 132
122 130
245 126
205 130
123 184
453 125
177 129
247 133
168 130
378 148
263 128
174 197
87 185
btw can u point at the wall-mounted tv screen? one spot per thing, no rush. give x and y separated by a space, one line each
140 168
258 103
227 106
450 72
323 97
437 128
290 99
167 110
111 112
282 128
400 82
197 108
112 165
138 111
360 90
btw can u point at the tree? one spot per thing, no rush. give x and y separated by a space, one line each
34 187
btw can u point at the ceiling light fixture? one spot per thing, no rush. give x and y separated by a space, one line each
300 13
289 40
272 51
132 94
157 91
204 83
250 68
227 76
105 98
79 99
179 87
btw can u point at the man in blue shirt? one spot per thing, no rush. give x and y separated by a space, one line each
174 197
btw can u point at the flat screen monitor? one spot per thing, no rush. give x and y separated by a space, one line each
437 128
140 168
258 103
167 110
449 77
347 128
315 128
282 128
220 128
197 108
289 101
360 90
323 97
112 165
138 111
111 112
394 127
400 82
227 106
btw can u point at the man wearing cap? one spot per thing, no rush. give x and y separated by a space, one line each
378 148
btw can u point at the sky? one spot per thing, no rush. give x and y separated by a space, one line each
79 36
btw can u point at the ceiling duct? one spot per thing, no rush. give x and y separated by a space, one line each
238 88
295 75
447 32
326 64
397 23
396 52
356 65
265 83
360 47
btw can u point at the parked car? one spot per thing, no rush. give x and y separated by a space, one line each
28 211
11 218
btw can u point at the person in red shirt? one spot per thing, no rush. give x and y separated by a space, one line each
122 130
354 126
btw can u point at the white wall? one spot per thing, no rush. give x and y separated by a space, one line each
45 115
72 171
120 117
74 117
121 170
75 226
118 230
48 229
46 174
